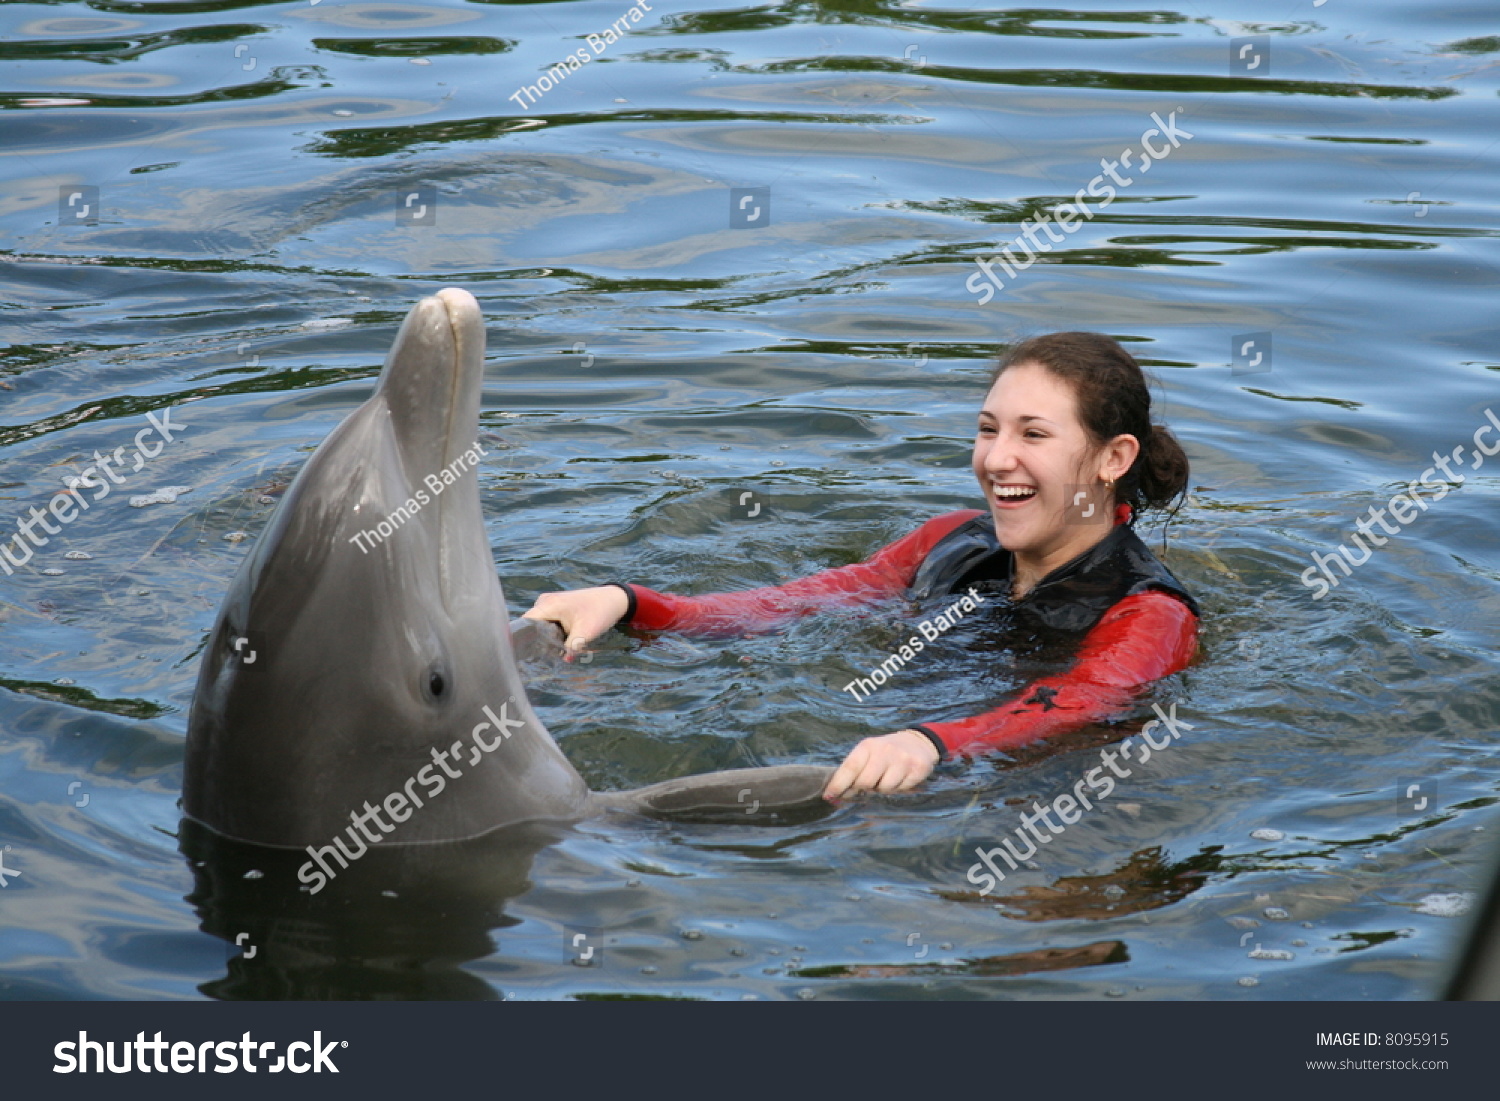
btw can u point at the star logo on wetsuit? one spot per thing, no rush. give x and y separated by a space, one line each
1043 696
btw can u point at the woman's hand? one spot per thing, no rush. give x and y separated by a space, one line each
583 614
891 762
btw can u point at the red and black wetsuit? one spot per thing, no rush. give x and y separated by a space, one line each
1136 622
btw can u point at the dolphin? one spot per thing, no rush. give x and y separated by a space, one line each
360 683
1474 973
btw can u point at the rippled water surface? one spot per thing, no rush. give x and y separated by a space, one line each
253 173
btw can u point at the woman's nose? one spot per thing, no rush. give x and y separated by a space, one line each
1001 456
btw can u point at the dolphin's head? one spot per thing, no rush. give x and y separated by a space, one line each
363 651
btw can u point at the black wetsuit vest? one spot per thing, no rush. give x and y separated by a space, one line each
1070 600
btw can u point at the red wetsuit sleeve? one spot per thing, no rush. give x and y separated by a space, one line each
1141 639
886 573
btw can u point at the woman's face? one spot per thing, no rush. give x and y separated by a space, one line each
1034 461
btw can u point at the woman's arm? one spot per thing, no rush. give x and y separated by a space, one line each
1140 640
886 573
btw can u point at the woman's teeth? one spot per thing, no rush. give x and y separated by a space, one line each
1014 492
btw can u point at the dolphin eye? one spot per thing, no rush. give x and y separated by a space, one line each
437 683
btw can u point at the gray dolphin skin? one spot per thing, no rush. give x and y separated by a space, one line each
362 669
1475 972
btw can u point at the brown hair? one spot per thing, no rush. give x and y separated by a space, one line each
1113 399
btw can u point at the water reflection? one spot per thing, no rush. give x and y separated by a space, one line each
398 923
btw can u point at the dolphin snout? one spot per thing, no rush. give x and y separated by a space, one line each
461 305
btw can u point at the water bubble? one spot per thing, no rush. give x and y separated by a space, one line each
165 496
255 873
78 556
806 994
1267 835
1114 992
1448 905
64 681
1276 913
1114 890
691 934
52 571
1249 980
1272 954
1299 944
736 951
648 970
236 537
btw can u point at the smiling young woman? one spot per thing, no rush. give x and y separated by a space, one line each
1067 457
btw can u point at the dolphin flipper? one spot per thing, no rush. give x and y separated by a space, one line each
531 639
739 796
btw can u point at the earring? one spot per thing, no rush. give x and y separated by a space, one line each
1110 485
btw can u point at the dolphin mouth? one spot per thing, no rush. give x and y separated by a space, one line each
431 388
460 517
466 333
432 381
